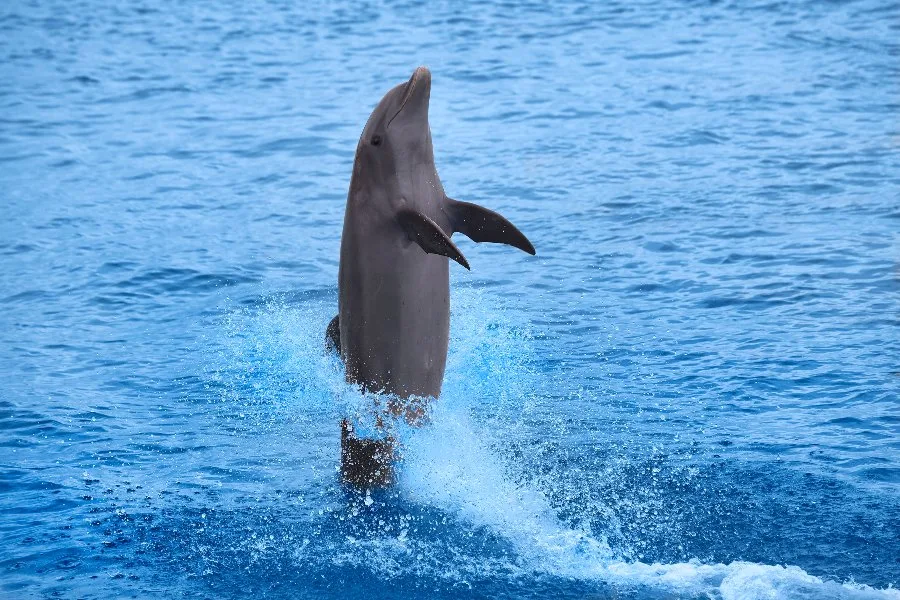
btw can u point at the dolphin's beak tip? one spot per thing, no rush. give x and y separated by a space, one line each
422 73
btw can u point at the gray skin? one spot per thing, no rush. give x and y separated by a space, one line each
393 324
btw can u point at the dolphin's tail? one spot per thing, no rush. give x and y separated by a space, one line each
365 462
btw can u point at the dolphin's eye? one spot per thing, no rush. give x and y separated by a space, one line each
376 140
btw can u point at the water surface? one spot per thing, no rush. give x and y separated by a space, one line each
691 391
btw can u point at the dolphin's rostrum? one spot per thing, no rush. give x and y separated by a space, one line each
393 321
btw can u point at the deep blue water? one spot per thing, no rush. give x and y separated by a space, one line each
691 391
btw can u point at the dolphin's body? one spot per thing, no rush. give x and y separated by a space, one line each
393 323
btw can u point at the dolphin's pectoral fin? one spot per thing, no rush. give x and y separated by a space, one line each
429 236
483 225
333 335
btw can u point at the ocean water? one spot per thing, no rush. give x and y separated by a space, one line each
692 391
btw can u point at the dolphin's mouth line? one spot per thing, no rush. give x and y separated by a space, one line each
406 97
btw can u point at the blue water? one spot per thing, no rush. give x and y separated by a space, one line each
692 391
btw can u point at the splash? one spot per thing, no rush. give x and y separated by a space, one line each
459 481
451 466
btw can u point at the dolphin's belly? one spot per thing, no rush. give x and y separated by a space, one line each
394 315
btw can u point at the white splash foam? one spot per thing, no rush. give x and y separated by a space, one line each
738 581
449 466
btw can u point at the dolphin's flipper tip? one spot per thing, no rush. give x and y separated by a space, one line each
527 246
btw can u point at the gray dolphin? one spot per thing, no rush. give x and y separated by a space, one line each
393 322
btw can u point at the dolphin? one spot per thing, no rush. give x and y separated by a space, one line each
393 322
